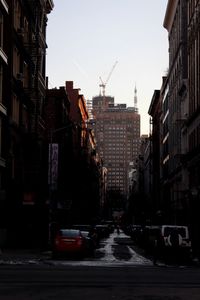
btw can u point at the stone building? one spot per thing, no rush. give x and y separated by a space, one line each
193 119
4 42
86 167
181 109
22 98
176 24
117 131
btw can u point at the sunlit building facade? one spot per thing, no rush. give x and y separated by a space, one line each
183 100
177 99
117 130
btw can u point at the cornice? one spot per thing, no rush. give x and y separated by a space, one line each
170 13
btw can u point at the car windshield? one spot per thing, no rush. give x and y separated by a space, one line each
69 233
180 230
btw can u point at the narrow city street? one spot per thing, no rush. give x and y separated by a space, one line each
117 271
99 150
116 250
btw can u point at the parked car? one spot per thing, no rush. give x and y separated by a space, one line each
68 241
103 231
110 224
84 227
168 241
183 239
135 232
89 228
89 243
149 235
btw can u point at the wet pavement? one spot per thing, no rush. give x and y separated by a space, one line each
118 270
117 249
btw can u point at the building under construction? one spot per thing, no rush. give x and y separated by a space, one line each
117 130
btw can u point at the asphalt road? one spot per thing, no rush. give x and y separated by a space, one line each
48 282
119 270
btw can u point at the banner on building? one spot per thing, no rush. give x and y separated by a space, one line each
53 166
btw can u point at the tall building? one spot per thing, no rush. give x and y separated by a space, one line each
3 109
117 131
22 96
181 118
74 168
193 120
193 111
176 24
155 113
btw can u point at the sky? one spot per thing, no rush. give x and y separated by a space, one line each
86 38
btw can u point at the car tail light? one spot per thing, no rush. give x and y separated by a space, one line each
57 241
79 241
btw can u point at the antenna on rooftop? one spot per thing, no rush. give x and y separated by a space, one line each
135 99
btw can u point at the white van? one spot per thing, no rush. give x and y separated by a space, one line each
183 242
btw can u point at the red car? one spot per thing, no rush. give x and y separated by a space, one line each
68 241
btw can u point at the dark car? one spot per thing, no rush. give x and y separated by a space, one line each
89 243
102 231
82 227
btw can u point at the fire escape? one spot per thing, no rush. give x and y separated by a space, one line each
34 85
36 47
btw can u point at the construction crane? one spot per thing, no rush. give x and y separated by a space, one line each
103 84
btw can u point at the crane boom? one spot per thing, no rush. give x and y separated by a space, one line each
111 72
103 84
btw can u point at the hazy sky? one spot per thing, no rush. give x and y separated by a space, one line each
86 37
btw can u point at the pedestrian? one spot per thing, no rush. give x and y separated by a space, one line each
118 229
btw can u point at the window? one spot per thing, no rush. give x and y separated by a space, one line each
1 82
16 62
1 30
26 75
0 136
17 14
15 109
25 117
